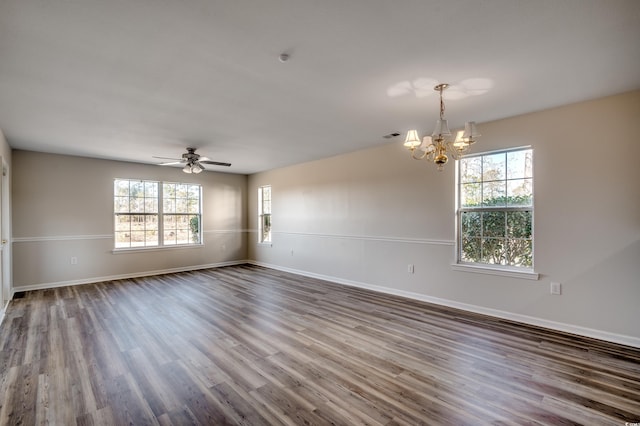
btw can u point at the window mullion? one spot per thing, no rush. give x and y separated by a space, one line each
506 235
160 189
482 245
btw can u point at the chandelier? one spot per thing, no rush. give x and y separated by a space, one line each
436 147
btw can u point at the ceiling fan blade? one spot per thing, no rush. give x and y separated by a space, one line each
215 163
165 158
171 163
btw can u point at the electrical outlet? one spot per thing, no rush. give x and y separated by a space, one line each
410 268
556 288
74 260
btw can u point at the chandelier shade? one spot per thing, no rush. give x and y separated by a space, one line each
442 129
413 140
470 131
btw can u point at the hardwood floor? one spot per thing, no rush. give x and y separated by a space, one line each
249 345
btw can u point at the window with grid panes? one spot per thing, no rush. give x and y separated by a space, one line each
495 209
264 214
181 213
155 214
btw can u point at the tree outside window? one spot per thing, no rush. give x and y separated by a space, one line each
495 209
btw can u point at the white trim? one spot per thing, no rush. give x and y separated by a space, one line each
144 249
496 151
124 276
103 236
224 231
371 238
60 238
527 275
526 319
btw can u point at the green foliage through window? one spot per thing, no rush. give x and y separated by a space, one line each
495 213
194 224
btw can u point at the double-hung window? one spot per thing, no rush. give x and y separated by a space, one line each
495 209
264 214
156 214
181 213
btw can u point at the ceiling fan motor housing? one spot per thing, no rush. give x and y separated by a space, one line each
191 154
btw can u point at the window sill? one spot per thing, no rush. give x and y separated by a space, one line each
513 273
265 244
155 248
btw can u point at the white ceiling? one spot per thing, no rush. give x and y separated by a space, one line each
132 79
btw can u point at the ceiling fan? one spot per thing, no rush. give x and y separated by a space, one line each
193 163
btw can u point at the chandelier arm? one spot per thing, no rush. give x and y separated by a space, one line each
456 153
413 155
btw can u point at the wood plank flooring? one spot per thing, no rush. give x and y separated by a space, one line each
253 346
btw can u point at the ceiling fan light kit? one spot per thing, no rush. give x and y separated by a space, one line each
436 147
193 163
193 167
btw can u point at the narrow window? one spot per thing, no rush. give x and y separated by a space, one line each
264 214
495 209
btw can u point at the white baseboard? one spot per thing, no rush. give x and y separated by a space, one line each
124 276
540 322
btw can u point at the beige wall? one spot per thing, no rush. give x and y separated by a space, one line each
361 218
63 208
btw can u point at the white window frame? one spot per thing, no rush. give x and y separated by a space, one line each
489 268
161 212
264 214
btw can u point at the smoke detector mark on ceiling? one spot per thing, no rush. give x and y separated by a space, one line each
391 135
